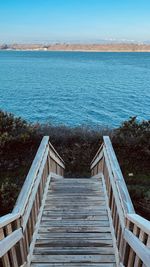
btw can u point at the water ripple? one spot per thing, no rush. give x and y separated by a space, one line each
75 88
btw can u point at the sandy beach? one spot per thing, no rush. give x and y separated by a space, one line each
79 47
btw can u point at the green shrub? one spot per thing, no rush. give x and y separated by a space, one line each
8 194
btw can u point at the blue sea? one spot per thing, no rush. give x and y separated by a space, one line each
75 88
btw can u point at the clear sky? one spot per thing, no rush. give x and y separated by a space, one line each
74 20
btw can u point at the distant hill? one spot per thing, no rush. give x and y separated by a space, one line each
111 47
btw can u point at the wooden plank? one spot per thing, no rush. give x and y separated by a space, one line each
77 181
75 242
77 188
5 258
88 213
131 257
75 194
140 222
56 176
48 210
38 220
74 229
97 159
115 194
57 159
74 235
114 241
74 250
73 265
13 254
6 219
73 204
126 200
69 199
142 238
74 258
59 204
55 152
31 198
83 185
74 223
8 242
102 217
98 152
140 249
88 180
29 181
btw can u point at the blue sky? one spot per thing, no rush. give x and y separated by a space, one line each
74 20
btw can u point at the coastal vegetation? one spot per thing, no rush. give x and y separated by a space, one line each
19 141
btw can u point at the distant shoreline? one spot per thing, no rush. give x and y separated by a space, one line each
77 47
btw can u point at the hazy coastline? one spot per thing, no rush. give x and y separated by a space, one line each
123 47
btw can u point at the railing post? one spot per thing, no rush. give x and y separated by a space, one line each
5 258
132 232
19 226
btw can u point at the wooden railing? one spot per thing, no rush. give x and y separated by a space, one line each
18 229
131 232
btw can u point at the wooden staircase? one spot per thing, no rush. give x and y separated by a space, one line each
74 229
66 222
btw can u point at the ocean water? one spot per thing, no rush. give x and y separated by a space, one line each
75 88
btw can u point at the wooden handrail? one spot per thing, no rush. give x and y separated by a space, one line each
17 228
56 153
30 179
141 222
97 153
131 231
120 182
8 218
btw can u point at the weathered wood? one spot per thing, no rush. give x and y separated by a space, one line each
97 153
34 191
74 258
124 194
125 222
140 249
140 222
74 250
28 184
74 235
74 229
17 228
8 242
97 159
5 257
73 225
131 257
56 159
56 153
6 219
38 219
73 265
13 254
79 217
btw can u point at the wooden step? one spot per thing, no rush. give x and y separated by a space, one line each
73 258
74 229
73 264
